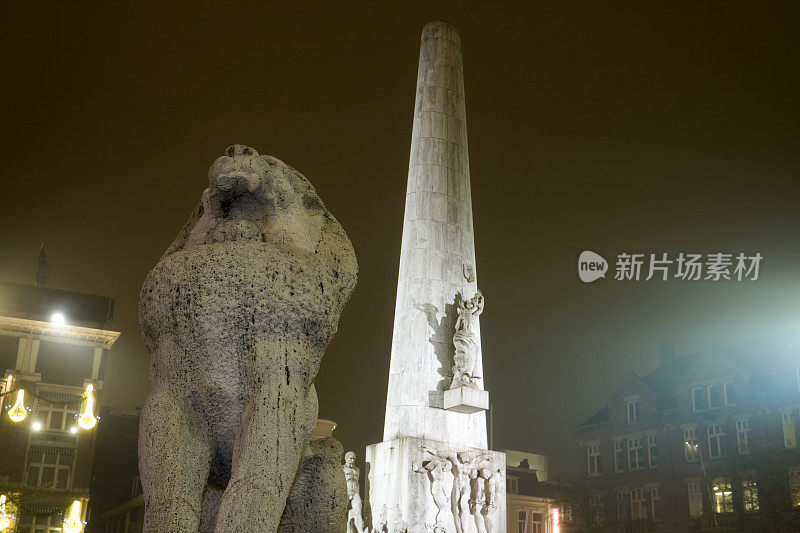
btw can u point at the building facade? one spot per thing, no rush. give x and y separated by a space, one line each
530 507
705 441
53 350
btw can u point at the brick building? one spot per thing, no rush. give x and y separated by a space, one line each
52 347
707 440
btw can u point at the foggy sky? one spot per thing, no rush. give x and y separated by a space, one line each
613 127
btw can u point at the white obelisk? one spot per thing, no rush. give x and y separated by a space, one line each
434 431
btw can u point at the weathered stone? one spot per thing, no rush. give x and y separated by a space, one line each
355 515
436 398
318 502
237 315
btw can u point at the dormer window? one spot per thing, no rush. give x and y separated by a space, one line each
698 399
730 394
633 410
714 396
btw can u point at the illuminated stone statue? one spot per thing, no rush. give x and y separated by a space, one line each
465 341
237 314
435 403
439 472
355 518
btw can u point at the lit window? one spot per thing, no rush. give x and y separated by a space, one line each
695 490
652 450
593 459
690 444
512 484
723 496
49 467
743 435
530 521
30 523
638 504
636 453
716 441
794 486
56 416
730 394
655 503
789 435
714 396
633 411
750 495
619 456
698 399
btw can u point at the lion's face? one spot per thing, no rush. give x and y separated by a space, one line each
257 198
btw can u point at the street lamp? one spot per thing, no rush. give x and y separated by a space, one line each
705 478
58 319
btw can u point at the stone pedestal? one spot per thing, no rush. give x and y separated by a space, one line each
465 400
400 491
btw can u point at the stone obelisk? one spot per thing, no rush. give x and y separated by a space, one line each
433 472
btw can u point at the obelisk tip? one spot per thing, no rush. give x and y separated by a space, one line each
437 28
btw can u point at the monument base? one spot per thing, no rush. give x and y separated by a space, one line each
465 400
420 485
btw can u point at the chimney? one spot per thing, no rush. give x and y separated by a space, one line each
666 352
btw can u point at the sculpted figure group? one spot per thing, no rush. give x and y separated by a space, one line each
464 486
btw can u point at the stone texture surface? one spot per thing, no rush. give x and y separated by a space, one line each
437 256
465 400
408 489
446 500
237 315
318 501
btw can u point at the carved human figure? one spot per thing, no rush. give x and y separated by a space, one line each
355 518
465 341
459 498
476 499
441 479
380 523
237 315
396 523
493 482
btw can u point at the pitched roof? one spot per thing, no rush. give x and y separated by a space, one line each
598 418
757 358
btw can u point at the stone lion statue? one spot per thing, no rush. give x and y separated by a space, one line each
237 315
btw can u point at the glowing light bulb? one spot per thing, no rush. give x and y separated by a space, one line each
87 420
18 413
73 430
5 520
73 522
58 319
36 426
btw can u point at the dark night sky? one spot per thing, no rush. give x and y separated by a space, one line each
643 127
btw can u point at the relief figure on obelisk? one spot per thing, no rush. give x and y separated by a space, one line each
465 341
